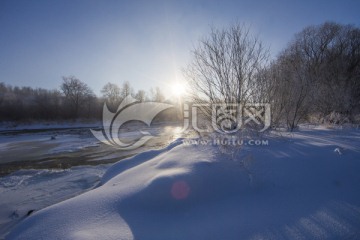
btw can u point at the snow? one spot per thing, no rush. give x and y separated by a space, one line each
27 190
297 187
35 146
72 143
67 138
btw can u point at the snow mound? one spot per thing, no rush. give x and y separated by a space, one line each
299 191
27 191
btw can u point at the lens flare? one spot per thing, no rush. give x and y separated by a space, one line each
180 190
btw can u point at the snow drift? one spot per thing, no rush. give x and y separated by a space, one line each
295 188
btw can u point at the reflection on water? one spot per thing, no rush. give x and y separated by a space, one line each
76 147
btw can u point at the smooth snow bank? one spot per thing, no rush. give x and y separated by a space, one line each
295 188
27 191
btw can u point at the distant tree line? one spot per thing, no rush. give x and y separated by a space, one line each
73 100
315 78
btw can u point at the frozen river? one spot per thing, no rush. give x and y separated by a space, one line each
65 148
41 167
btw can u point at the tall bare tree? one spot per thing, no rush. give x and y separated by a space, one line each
225 65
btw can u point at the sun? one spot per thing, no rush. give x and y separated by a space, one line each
178 89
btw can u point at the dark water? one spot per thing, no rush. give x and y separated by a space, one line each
34 149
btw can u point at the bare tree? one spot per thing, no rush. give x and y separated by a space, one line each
140 96
3 90
76 93
296 85
91 105
157 95
47 103
126 90
111 92
225 65
317 74
333 57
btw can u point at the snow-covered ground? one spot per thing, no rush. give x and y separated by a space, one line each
25 191
56 147
303 185
31 143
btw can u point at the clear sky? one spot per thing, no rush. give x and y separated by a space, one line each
143 42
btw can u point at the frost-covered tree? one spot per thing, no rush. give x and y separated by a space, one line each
111 93
126 90
76 93
225 65
157 95
140 96
317 74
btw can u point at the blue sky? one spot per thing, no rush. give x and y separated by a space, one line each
143 42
